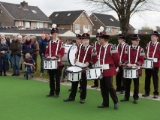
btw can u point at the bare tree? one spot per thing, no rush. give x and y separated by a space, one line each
124 8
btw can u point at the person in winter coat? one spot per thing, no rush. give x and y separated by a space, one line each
15 48
4 49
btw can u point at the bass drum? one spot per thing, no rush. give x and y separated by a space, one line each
69 56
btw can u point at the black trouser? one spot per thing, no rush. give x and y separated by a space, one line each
96 83
106 88
54 76
128 87
83 86
120 81
154 73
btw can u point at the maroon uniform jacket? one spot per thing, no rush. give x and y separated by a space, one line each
91 56
97 47
133 54
121 50
55 46
156 55
111 58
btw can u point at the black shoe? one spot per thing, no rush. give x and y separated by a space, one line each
49 95
122 92
13 74
125 99
135 101
68 99
116 106
56 96
103 106
80 90
18 75
82 101
94 86
155 96
145 95
69 90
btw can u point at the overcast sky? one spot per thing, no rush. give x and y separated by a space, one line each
150 19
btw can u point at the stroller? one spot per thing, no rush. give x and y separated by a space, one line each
29 70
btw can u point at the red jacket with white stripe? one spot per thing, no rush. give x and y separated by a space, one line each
121 51
156 55
91 56
55 46
111 58
132 56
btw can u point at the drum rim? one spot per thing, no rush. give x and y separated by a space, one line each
94 68
68 55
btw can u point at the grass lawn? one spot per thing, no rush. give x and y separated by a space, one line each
23 99
141 84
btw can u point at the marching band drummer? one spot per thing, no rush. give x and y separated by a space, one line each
152 51
78 43
87 56
109 60
120 81
134 57
97 46
55 50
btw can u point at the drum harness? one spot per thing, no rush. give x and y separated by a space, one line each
129 51
84 55
50 46
148 48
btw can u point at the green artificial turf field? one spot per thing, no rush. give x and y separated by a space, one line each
22 99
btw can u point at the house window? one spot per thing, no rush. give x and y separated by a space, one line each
20 23
84 26
34 11
40 25
109 30
0 11
27 25
95 19
69 14
77 26
56 15
89 27
111 19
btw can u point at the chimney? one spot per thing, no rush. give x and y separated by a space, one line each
24 5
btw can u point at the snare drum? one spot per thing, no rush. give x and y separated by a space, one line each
74 73
69 56
50 64
130 73
94 73
148 64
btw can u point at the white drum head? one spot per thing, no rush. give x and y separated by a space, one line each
71 54
74 69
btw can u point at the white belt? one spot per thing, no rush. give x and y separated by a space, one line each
105 66
154 59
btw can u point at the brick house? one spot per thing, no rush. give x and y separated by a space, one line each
22 15
72 20
110 24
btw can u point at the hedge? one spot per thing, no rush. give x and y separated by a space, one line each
143 42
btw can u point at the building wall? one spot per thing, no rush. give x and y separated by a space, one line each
5 18
83 21
64 26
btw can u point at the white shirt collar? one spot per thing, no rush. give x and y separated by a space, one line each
105 45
